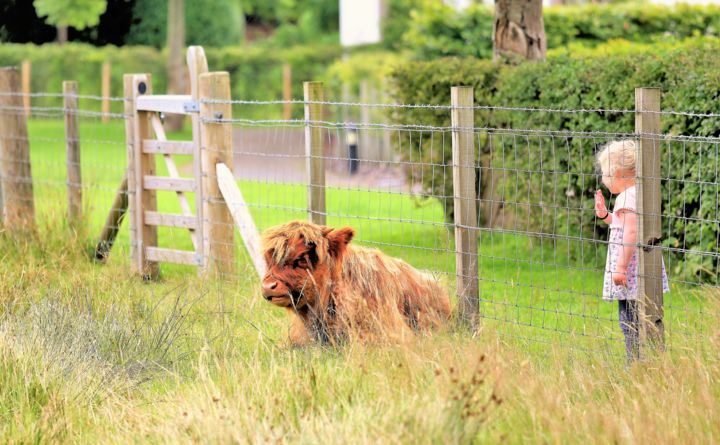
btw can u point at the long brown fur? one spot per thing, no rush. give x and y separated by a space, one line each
333 290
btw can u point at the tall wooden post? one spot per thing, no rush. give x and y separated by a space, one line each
112 222
216 141
137 129
287 91
72 151
105 92
197 65
26 70
314 153
129 110
15 174
465 200
649 286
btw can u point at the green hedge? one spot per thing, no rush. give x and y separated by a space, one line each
52 64
256 73
208 22
687 73
436 30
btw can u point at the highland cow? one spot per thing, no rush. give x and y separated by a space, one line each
334 291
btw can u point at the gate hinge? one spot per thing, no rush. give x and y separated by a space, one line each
191 106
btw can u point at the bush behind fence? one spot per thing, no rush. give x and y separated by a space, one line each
688 77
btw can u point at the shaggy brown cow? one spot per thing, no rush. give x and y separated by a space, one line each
333 290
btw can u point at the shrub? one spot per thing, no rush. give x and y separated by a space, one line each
51 64
210 22
429 83
563 165
437 30
255 72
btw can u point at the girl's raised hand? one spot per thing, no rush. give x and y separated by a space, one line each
600 209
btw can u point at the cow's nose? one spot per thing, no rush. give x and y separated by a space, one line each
269 285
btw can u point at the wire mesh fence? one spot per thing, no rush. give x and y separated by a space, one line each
541 250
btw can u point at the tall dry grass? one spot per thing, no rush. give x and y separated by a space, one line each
90 354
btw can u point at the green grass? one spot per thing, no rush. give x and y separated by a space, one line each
89 353
529 286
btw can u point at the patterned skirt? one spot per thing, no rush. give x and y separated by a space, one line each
611 291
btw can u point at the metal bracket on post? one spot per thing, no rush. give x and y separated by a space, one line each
191 106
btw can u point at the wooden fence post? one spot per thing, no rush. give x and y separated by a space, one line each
137 129
26 70
465 202
314 153
287 91
113 221
105 92
197 65
15 174
129 110
216 142
649 286
72 150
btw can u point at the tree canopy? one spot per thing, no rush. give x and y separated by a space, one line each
79 14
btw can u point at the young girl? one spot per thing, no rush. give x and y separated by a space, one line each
617 162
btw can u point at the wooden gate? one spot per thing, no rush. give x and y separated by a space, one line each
210 227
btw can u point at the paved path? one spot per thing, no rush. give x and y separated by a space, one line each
278 155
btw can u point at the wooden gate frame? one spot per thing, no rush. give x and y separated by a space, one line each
211 227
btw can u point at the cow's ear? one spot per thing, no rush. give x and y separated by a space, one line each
338 240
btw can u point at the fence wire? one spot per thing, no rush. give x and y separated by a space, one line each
541 247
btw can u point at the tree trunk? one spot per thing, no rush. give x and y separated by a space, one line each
519 29
62 34
176 64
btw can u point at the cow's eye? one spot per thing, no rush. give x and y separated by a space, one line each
300 262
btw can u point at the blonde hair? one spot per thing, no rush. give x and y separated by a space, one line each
617 155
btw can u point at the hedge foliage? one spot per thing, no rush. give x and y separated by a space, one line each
255 73
548 181
208 22
435 29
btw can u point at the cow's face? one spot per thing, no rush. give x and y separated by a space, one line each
300 263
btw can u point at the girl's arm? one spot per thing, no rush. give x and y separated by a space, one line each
628 219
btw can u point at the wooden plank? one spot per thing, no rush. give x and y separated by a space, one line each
151 182
649 285
197 65
167 103
105 92
154 146
144 165
72 152
26 74
15 172
159 254
216 141
314 153
241 215
465 199
170 220
113 220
